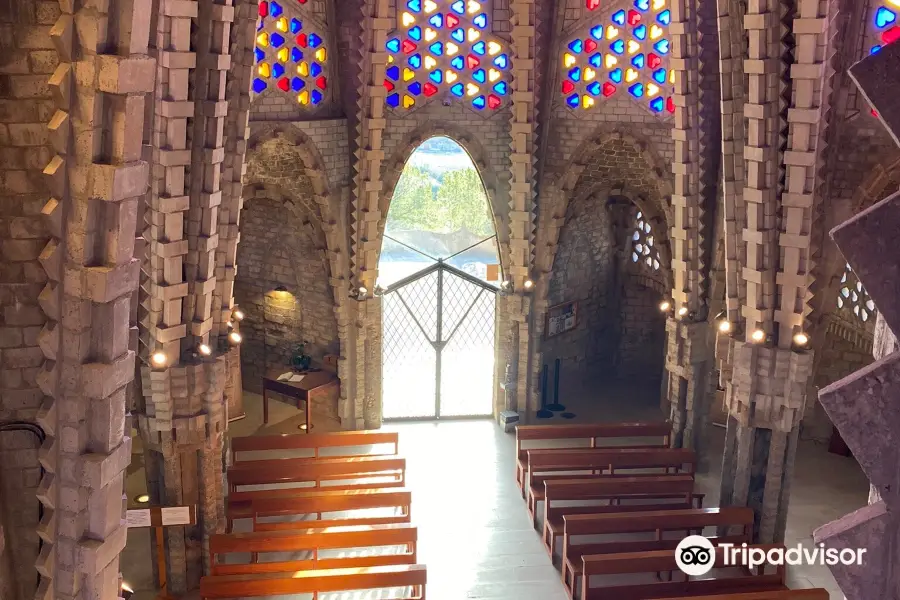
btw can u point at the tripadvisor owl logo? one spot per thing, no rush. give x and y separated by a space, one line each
695 555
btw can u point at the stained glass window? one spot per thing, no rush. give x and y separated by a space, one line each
625 53
290 53
854 298
444 48
643 247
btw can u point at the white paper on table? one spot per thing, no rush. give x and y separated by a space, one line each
138 518
285 376
176 515
296 378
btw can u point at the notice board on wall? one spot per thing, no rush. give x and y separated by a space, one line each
562 318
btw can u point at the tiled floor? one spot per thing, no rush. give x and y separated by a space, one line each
473 529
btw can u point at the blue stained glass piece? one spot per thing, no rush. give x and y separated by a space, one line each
437 48
259 86
416 33
415 88
480 21
480 76
657 104
639 61
479 48
594 88
597 32
393 100
275 9
662 46
616 75
478 102
393 72
296 26
260 55
415 61
457 63
501 62
414 5
874 49
640 32
316 96
276 40
296 54
459 7
574 100
459 35
659 75
260 24
619 18
393 45
315 70
643 5
665 17
437 21
501 88
297 84
277 70
596 60
637 90
314 40
576 46
458 90
436 76
618 46
575 74
884 17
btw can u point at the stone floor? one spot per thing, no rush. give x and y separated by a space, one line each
483 546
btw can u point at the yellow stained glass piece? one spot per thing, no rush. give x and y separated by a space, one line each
283 55
263 39
631 75
451 49
320 55
493 75
611 61
303 69
471 89
611 32
430 34
633 47
264 70
587 101
569 60
407 19
474 34
655 32
303 98
430 7
494 47
589 74
658 4
652 90
672 76
408 74
408 101
450 76
474 7
390 59
430 63
281 24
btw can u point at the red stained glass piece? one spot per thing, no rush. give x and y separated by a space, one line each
653 61
302 1
472 61
301 40
283 84
670 105
408 47
874 113
592 4
430 89
264 9
388 85
590 45
321 83
568 87
891 35
451 21
493 101
634 17
608 89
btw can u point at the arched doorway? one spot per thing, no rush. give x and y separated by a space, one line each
439 273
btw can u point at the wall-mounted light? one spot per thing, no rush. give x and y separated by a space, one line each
235 338
230 324
758 336
238 315
159 359
724 327
528 285
379 291
204 349
683 311
142 499
126 591
801 340
664 306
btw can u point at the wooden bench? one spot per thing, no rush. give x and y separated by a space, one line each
380 471
663 492
579 462
312 541
315 582
807 594
279 503
561 435
345 444
763 579
687 521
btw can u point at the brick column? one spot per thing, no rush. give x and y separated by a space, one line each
688 365
95 180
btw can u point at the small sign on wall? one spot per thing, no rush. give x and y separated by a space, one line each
562 318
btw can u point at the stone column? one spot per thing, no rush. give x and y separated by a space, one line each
95 180
688 366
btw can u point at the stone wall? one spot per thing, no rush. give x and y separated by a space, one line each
20 475
642 341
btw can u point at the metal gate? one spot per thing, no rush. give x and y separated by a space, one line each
438 345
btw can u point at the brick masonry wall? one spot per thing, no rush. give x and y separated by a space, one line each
642 341
278 249
328 137
27 58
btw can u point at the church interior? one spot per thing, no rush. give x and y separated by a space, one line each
488 299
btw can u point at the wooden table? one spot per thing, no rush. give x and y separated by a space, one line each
314 384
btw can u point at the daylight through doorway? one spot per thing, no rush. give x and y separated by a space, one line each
439 271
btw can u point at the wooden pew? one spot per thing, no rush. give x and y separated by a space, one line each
556 436
663 492
686 521
312 541
275 503
390 471
807 594
761 580
315 582
580 462
345 444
